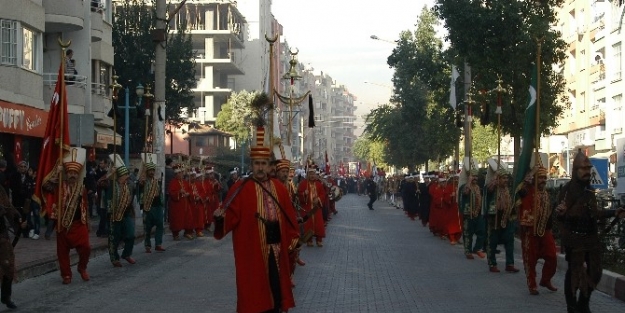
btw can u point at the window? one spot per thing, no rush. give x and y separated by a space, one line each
598 104
617 102
29 53
200 141
616 52
8 40
212 141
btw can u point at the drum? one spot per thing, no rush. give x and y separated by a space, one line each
335 193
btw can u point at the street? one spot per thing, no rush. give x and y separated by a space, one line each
372 261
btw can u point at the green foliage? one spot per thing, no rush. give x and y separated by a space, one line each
134 55
226 158
368 150
499 37
484 142
236 115
420 126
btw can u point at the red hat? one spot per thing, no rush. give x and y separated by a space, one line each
283 164
259 151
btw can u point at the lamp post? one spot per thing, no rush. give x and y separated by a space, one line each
127 108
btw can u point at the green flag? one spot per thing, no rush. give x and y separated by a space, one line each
529 133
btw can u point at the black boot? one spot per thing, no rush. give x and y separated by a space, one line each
583 304
571 299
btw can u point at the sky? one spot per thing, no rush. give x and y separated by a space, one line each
333 36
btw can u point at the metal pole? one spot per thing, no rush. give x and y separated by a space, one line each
160 58
126 127
467 124
242 155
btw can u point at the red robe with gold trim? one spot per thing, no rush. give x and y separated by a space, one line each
178 205
199 211
315 220
251 252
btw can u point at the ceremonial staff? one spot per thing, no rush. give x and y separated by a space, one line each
271 87
115 86
539 42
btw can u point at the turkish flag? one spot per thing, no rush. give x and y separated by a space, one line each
57 131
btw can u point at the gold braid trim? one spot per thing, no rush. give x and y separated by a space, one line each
476 201
504 204
123 200
148 197
543 213
69 204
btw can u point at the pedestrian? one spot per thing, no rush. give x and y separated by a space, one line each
371 190
535 218
578 215
7 256
169 176
122 217
34 221
500 221
72 222
312 198
152 207
21 186
102 185
472 220
259 214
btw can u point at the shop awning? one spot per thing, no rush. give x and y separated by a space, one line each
106 136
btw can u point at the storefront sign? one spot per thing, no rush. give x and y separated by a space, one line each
22 120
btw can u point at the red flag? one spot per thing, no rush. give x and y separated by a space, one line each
327 164
49 159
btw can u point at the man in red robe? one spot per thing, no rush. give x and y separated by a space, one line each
178 203
199 218
312 196
437 203
259 213
537 240
213 192
451 217
71 219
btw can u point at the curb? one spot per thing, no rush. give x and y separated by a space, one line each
50 264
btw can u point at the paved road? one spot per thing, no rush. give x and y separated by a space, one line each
373 261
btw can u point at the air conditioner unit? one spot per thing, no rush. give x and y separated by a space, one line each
618 130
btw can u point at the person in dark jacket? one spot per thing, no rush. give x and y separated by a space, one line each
578 215
371 190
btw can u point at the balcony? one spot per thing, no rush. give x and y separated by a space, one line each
64 15
97 24
223 63
598 118
75 87
100 101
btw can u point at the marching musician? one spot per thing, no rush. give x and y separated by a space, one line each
152 207
199 217
178 202
122 218
213 191
72 223
258 212
312 197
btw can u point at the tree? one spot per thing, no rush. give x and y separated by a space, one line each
133 22
235 116
484 142
502 40
368 150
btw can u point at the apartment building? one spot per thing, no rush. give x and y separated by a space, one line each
333 107
29 63
218 31
593 72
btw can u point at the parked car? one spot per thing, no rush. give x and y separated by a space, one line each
556 183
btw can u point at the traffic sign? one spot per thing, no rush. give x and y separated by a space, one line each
599 173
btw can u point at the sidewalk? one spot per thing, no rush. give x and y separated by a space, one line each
38 257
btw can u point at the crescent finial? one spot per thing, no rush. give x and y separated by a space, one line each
62 44
271 40
294 53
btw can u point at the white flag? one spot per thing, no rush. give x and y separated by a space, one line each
452 88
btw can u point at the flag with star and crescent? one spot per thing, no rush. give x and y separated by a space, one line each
50 157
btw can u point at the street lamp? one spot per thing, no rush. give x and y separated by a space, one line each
565 148
374 37
127 108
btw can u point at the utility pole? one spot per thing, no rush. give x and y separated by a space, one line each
468 147
159 36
